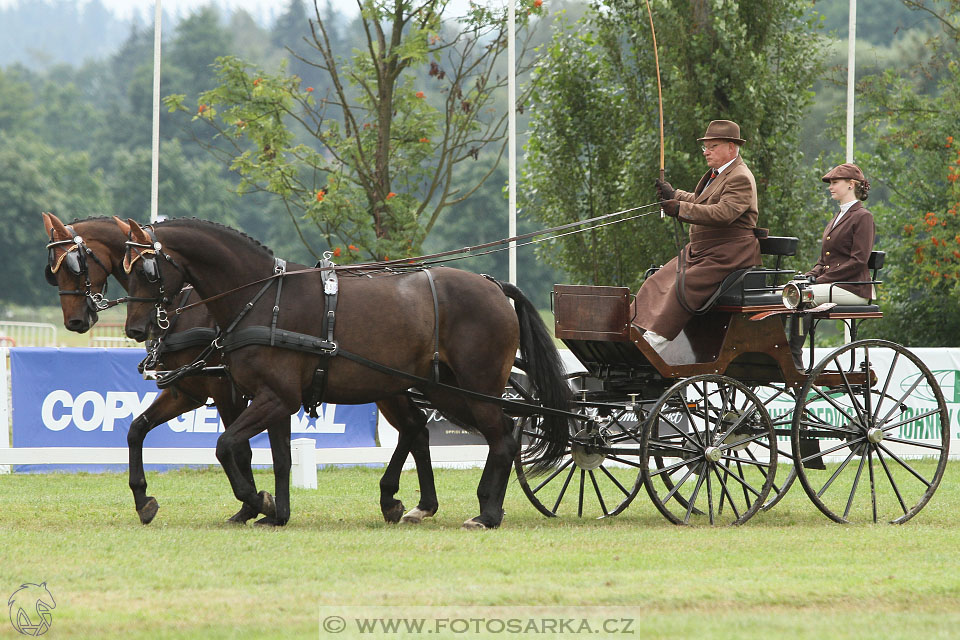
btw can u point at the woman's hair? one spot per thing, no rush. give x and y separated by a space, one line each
861 189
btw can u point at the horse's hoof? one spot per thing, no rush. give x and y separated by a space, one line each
148 511
268 507
393 514
241 517
267 522
416 516
473 524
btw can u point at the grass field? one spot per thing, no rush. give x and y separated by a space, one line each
787 573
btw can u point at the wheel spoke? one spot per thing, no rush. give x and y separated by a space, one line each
886 386
914 443
836 474
752 463
580 494
842 445
553 475
696 491
629 463
677 465
603 506
905 465
684 435
853 489
614 480
725 492
825 426
851 394
835 404
896 489
746 485
677 486
709 494
910 420
739 443
563 489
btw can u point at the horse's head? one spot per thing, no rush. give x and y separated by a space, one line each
154 278
78 265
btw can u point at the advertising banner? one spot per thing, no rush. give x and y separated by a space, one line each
88 397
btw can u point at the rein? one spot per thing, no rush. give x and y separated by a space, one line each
421 262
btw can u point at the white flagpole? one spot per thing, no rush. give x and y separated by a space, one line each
155 155
851 76
512 137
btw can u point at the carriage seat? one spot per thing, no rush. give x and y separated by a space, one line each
748 288
756 285
779 245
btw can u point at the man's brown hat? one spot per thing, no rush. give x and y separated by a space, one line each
846 171
723 130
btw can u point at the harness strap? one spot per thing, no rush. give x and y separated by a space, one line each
436 327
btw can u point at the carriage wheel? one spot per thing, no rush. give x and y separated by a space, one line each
866 455
588 482
709 452
779 401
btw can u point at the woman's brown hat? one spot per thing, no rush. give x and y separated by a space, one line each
723 130
845 171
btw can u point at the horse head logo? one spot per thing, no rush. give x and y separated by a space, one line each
30 607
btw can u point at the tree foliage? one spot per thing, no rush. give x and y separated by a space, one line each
752 62
371 162
912 117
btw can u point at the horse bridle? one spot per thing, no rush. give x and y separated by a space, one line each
74 257
147 255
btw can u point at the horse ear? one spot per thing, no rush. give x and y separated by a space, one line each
124 227
52 222
137 234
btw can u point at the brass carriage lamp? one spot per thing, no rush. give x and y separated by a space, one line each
797 294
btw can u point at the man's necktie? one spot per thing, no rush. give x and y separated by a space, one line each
713 174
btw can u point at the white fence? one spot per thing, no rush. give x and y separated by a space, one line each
27 334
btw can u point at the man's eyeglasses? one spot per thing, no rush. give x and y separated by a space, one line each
711 147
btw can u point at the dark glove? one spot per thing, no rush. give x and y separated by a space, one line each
664 190
812 279
670 207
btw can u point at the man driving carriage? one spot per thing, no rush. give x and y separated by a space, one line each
722 211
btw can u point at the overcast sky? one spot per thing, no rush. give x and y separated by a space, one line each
263 10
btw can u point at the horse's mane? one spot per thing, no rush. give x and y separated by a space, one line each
205 224
93 219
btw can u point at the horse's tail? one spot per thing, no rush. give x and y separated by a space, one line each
544 369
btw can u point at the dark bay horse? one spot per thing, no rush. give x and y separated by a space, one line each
82 285
398 320
81 279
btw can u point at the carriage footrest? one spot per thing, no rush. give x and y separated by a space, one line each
811 447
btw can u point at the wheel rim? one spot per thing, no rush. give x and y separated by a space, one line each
709 452
880 459
597 477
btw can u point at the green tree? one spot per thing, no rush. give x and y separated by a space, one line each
383 144
34 178
915 133
594 122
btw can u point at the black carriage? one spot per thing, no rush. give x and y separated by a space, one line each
722 423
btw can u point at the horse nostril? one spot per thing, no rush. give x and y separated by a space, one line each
136 334
77 325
